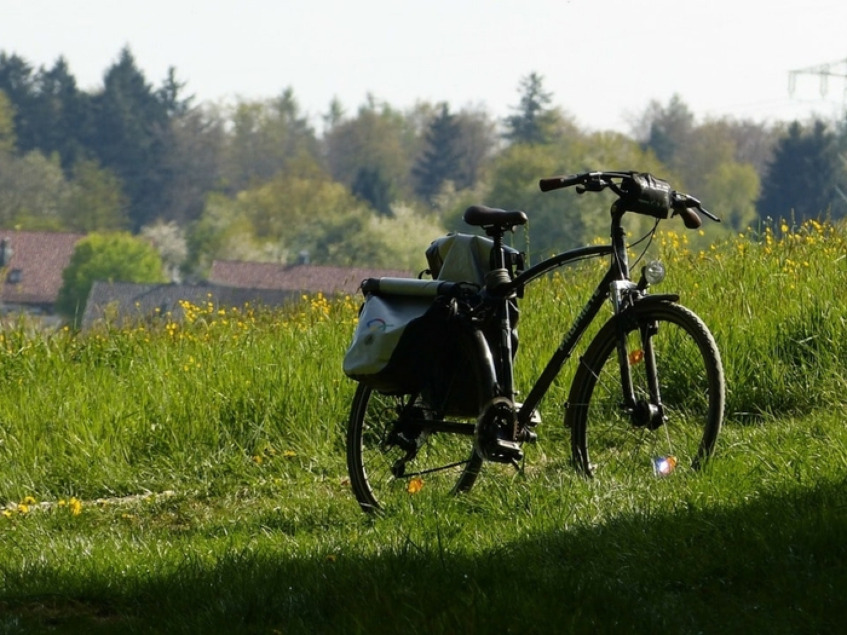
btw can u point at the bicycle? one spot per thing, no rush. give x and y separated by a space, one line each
647 396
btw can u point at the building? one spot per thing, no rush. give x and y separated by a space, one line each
32 263
119 303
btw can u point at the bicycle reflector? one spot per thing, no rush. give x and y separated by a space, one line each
654 272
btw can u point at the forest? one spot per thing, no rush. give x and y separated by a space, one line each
372 186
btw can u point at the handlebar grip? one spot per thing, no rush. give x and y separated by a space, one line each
690 217
557 182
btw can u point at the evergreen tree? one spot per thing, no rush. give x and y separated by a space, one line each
133 137
60 114
17 82
669 128
371 186
534 122
441 161
803 177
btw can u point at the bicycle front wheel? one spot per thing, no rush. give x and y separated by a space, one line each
398 447
678 389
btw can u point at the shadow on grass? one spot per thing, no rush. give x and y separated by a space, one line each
777 564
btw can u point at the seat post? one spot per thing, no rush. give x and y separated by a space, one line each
495 281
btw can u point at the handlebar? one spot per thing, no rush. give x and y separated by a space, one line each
637 192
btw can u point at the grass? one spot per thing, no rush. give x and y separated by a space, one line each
191 478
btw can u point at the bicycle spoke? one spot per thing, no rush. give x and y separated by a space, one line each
394 451
615 441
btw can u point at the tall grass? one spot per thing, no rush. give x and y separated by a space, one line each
190 477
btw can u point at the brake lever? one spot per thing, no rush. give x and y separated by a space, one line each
688 207
708 214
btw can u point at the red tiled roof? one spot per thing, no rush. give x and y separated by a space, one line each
33 275
305 278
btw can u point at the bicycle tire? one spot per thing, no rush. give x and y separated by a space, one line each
691 384
444 462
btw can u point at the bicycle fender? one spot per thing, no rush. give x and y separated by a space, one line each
659 297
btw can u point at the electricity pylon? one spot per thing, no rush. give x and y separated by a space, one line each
824 72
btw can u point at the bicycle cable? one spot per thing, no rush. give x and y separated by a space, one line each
649 235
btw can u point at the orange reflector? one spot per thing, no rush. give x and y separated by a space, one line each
415 485
636 357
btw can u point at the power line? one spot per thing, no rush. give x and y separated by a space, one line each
823 72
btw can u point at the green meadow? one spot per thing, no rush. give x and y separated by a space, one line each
189 477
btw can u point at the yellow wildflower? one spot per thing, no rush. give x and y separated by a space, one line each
75 505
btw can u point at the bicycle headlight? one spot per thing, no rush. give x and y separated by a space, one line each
654 272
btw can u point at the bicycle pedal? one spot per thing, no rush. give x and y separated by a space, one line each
504 451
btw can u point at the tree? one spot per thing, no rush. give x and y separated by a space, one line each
195 163
60 115
374 188
132 137
803 178
51 114
33 191
730 191
105 256
441 161
534 121
96 201
17 82
372 154
477 139
266 139
668 128
7 125
169 240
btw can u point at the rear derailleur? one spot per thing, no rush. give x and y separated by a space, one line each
409 434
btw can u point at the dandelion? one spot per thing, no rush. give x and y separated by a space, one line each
415 485
75 505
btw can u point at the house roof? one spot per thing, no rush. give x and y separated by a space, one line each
298 278
129 302
33 274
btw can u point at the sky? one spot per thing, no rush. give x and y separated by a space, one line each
603 61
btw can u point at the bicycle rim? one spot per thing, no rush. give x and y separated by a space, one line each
395 456
614 443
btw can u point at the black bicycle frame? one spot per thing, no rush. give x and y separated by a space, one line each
618 271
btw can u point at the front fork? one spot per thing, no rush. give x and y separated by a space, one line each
644 410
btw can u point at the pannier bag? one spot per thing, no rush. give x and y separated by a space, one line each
465 258
394 339
408 338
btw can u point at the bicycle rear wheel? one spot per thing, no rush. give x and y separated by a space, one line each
676 418
397 447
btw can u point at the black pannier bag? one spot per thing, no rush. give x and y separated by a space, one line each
411 339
